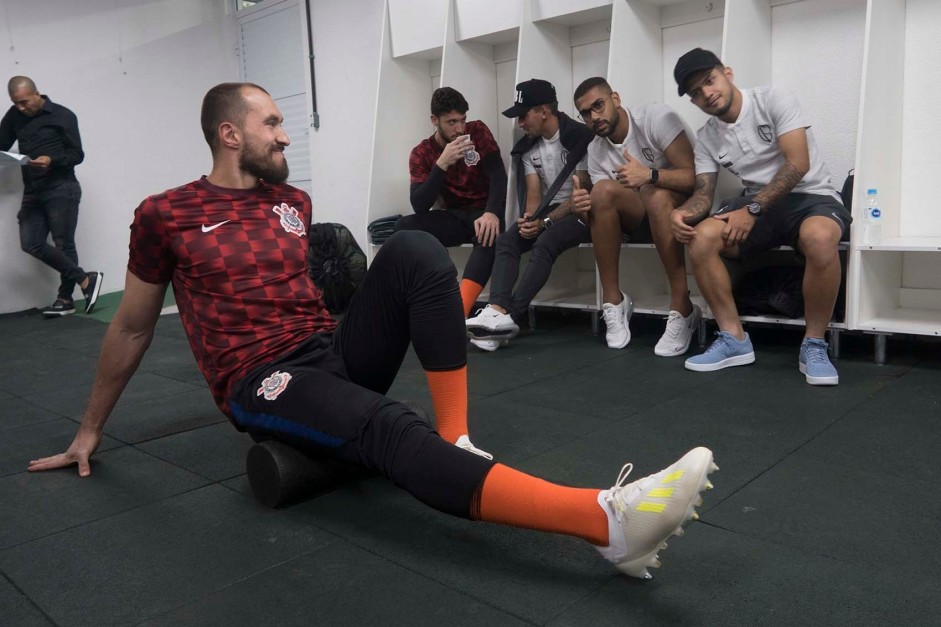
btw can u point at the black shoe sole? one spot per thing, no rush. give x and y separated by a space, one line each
96 290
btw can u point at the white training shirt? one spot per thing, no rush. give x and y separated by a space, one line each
652 129
547 158
748 148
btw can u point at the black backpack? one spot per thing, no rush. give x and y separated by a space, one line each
336 264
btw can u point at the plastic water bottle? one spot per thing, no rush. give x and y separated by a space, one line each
872 225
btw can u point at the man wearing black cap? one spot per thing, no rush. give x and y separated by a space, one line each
761 136
547 160
641 165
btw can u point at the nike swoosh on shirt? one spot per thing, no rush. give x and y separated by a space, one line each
207 228
723 156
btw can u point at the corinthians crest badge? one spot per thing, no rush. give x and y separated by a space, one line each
274 385
290 219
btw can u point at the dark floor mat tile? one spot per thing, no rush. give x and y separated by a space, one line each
528 574
716 577
17 412
34 373
859 516
216 452
38 504
340 584
139 564
17 610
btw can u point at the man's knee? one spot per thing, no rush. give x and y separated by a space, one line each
604 196
819 241
708 240
408 223
417 244
32 247
658 201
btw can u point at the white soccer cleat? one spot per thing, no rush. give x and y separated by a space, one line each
644 514
465 443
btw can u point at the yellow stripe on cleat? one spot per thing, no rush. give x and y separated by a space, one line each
646 506
673 476
660 493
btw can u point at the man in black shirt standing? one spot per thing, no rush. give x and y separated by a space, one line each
48 134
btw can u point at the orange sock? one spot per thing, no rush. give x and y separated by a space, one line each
514 498
449 396
470 290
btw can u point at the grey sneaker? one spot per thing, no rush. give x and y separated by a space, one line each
814 363
679 333
617 319
724 352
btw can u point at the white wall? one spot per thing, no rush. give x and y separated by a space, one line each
921 125
803 33
134 74
346 57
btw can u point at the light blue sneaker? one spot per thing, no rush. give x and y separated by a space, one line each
724 352
815 363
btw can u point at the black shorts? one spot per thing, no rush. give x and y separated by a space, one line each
780 225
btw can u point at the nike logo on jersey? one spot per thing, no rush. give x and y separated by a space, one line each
207 228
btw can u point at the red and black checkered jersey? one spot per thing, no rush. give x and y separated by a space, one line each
237 260
465 186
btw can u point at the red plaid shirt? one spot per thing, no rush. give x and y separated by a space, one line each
238 263
465 186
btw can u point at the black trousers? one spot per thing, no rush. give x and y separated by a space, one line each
331 401
453 227
546 248
53 211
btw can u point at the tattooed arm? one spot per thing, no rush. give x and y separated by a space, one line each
695 209
797 162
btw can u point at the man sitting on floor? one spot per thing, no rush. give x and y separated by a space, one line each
278 365
761 136
461 166
545 158
641 164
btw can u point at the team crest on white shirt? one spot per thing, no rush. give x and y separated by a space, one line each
274 385
290 219
764 132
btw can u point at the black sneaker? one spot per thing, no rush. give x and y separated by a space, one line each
91 292
58 308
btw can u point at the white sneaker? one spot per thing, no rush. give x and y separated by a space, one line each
465 443
489 345
644 514
679 333
616 318
490 324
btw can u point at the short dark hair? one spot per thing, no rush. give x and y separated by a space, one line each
590 83
20 81
447 99
223 103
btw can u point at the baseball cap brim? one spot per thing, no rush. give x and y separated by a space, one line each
516 110
681 88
